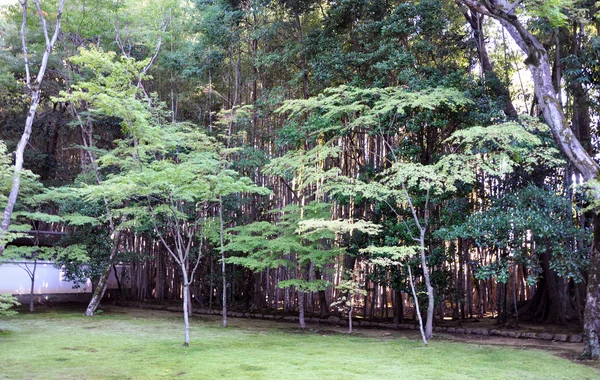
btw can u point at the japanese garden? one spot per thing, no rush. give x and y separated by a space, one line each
299 189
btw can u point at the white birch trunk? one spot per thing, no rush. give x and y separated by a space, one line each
35 88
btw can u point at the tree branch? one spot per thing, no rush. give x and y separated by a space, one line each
24 42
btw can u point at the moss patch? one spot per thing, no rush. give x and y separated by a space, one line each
147 345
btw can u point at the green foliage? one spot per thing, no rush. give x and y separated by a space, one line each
108 89
591 190
75 219
526 226
304 168
304 285
349 290
160 176
346 107
339 227
26 202
552 10
387 256
7 301
83 254
270 245
18 253
374 105
29 181
499 149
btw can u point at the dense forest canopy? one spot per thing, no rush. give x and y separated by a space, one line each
424 159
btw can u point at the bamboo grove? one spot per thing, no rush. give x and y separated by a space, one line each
310 156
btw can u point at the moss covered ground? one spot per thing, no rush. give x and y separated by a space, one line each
137 344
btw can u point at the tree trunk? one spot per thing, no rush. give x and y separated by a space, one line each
211 286
495 84
591 316
350 319
32 286
546 95
430 295
469 280
114 267
258 299
189 302
398 308
541 72
103 282
417 310
16 182
323 305
223 273
303 60
186 319
35 88
301 309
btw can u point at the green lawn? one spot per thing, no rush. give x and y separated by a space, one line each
121 343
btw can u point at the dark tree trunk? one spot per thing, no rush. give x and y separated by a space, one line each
496 85
545 306
398 307
323 304
114 267
258 299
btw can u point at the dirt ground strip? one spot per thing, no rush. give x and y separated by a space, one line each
475 326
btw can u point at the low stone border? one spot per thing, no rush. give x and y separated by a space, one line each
333 320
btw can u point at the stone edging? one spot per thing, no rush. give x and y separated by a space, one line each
333 320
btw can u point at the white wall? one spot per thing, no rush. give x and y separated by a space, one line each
48 280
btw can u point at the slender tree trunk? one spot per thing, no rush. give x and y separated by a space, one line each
350 318
301 309
303 61
114 267
323 305
186 319
258 298
35 88
469 280
493 81
591 315
514 293
211 285
16 182
103 282
189 293
430 295
32 286
417 310
224 276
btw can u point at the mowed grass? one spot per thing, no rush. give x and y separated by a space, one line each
127 343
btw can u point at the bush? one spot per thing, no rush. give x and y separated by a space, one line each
6 302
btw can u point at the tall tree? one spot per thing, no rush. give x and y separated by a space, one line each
33 85
547 97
